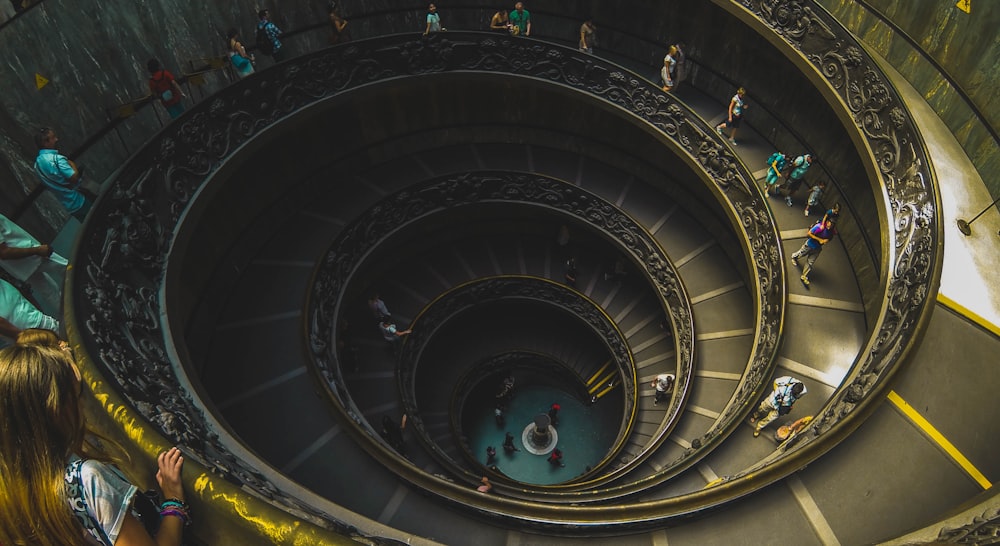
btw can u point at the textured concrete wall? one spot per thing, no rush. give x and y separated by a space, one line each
966 45
95 59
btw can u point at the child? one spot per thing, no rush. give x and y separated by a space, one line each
814 196
832 213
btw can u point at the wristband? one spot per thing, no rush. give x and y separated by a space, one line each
177 503
176 513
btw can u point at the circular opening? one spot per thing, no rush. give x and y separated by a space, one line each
546 409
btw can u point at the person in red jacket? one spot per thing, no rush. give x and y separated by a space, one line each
555 458
163 86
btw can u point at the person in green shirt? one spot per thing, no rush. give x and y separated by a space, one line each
521 20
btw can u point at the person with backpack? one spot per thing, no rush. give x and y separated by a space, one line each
267 38
164 87
797 176
787 391
775 165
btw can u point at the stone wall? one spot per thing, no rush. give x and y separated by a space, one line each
94 58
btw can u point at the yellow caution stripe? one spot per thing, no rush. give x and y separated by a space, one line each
965 312
593 378
939 439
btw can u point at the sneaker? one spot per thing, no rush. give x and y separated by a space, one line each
733 142
756 433
656 402
718 130
795 261
788 201
805 280
805 213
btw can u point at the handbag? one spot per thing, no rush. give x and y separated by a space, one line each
784 410
240 63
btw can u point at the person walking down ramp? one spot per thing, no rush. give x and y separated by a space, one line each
787 390
819 235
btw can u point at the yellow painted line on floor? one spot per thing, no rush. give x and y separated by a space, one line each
965 312
939 439
599 372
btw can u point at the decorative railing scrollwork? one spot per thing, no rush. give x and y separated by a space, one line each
420 201
490 289
912 262
121 262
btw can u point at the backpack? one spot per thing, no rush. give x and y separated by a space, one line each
264 43
779 157
162 87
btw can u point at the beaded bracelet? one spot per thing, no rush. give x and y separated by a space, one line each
176 502
177 513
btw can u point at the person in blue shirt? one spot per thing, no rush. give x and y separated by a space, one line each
818 236
787 390
273 33
60 175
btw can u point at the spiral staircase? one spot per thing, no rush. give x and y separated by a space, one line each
221 295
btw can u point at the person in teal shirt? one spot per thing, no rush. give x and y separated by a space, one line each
521 20
433 20
797 176
60 175
775 164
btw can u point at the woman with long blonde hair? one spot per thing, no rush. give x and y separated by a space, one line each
55 488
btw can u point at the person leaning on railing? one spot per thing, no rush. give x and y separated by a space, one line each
242 61
55 486
60 175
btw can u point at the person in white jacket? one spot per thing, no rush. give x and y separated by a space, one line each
31 262
787 390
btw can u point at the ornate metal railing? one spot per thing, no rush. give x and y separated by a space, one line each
396 211
463 297
419 201
832 57
121 259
